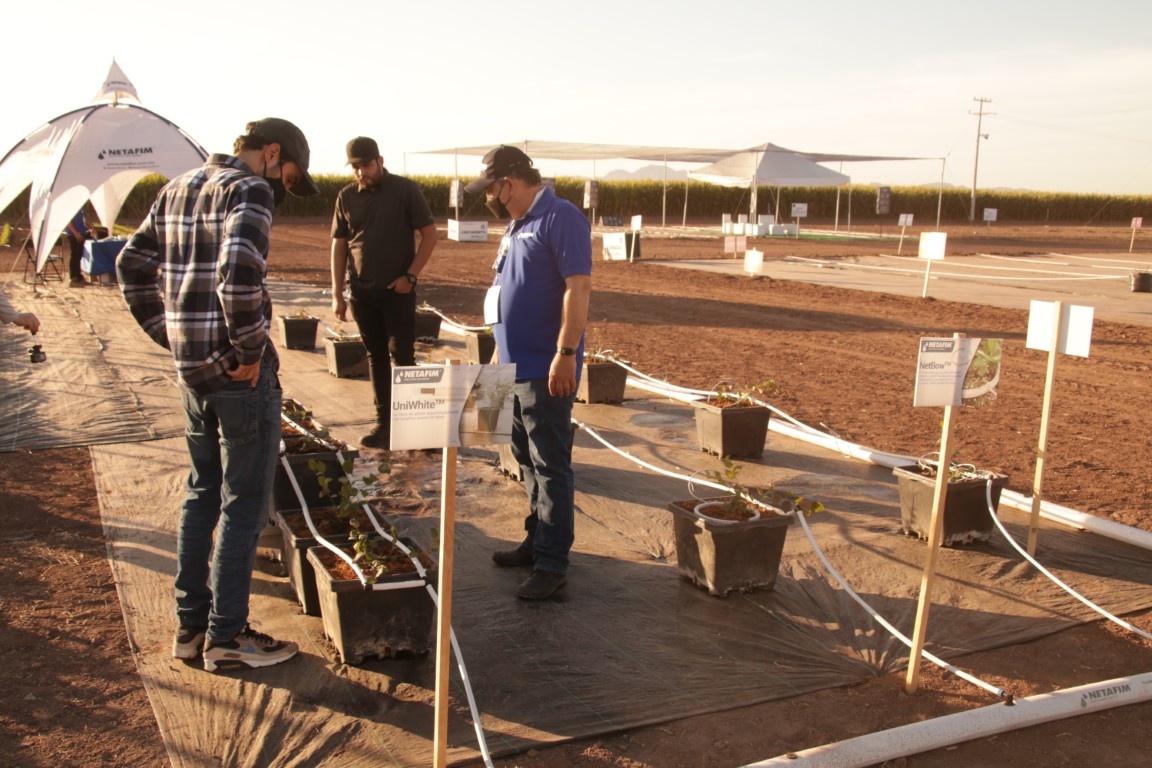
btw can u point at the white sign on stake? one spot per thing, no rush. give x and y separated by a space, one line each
905 220
990 215
799 210
449 406
931 249
753 261
636 222
1075 328
957 371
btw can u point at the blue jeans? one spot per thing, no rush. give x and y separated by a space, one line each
542 444
233 439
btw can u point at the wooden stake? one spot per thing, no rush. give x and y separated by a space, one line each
935 534
1042 444
927 273
444 614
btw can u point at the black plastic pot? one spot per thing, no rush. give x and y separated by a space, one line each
480 347
347 358
427 325
602 382
299 332
374 623
966 515
736 430
725 556
294 553
1142 282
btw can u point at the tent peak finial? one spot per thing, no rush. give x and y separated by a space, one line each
116 87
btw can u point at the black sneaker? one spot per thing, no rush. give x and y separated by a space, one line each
379 437
189 642
541 585
248 650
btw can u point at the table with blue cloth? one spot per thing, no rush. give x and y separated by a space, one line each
100 257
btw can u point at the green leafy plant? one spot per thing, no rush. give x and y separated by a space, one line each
6 235
337 332
375 557
730 394
957 472
740 502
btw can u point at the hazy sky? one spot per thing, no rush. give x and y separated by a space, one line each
1070 83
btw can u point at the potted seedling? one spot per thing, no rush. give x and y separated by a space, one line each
967 517
372 587
347 357
732 422
302 440
298 330
604 380
734 541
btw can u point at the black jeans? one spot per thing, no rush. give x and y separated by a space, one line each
387 322
76 255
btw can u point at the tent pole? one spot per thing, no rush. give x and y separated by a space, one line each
684 221
664 201
836 225
940 192
849 208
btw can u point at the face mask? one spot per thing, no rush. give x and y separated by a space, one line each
279 191
494 204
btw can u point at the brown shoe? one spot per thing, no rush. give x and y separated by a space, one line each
541 585
521 557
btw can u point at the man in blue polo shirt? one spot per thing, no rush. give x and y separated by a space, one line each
538 306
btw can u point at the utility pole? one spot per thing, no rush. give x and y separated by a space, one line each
976 165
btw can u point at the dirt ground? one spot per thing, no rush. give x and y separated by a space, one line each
839 358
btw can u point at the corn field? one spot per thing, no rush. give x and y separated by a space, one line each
707 202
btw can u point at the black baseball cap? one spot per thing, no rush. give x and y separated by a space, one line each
362 150
499 162
292 144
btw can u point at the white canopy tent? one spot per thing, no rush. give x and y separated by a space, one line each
769 164
98 153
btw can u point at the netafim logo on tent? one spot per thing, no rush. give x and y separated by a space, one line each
1100 695
124 152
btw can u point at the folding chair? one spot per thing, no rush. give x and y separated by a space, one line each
51 270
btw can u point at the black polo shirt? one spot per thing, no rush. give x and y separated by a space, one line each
380 225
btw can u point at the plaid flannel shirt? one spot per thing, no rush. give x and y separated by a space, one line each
194 273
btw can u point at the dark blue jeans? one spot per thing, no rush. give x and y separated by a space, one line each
387 323
542 444
233 440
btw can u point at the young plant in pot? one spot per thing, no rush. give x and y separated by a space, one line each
732 421
298 330
346 354
734 541
372 587
967 516
604 380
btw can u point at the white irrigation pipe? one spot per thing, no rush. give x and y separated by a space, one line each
476 723
819 553
450 321
876 748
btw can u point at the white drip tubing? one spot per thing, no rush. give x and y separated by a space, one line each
452 323
876 748
819 553
790 427
476 723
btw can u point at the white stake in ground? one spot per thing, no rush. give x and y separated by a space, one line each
1052 327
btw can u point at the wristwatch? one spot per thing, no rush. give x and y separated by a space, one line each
566 351
411 277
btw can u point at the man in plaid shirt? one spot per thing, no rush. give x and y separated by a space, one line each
193 275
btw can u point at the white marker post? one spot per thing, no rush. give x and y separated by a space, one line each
1055 328
905 222
931 249
1137 223
935 531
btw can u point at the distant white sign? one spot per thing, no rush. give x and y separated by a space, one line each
615 247
799 210
1075 328
905 220
1138 222
989 214
449 406
636 223
932 245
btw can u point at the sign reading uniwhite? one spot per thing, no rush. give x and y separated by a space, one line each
951 371
449 406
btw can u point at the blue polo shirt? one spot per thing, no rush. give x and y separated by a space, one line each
551 242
